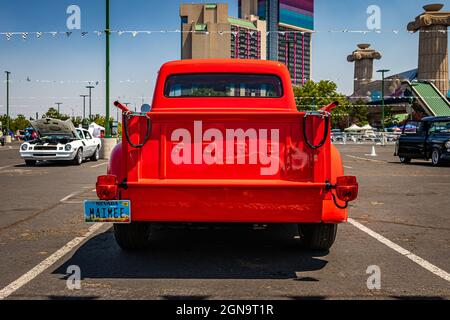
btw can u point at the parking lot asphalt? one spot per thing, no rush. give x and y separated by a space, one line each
400 223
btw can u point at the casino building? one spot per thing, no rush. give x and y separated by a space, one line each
278 30
290 24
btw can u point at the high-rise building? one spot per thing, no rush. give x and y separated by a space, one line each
206 31
278 30
248 38
290 24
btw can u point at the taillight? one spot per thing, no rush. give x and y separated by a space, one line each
347 188
107 187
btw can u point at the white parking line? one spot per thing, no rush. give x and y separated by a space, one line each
99 165
347 167
365 159
69 196
411 256
44 265
10 166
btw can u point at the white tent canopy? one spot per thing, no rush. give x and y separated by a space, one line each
367 127
95 130
354 128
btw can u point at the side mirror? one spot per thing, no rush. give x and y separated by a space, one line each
146 108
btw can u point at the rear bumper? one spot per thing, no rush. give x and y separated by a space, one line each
232 201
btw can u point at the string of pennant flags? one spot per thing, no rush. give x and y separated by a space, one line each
150 97
134 33
301 106
129 81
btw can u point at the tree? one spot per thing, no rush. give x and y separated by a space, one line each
54 114
20 123
314 95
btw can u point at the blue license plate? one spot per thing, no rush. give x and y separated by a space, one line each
107 211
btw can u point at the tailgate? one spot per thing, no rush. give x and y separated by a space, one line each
227 147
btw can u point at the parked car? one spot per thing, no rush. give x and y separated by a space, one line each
426 139
224 143
59 141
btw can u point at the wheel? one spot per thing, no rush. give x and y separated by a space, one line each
30 163
317 236
96 155
405 160
78 160
436 157
132 236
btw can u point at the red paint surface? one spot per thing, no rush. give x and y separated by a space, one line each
159 190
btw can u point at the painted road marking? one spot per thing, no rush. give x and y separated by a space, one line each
347 167
44 265
365 159
10 166
99 165
411 256
69 196
74 194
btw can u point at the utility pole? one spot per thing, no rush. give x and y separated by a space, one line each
59 104
108 33
7 101
383 71
90 100
84 96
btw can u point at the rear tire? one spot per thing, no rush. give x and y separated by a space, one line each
96 155
317 236
134 236
78 160
405 160
30 163
436 157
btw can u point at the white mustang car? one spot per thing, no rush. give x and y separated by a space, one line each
60 141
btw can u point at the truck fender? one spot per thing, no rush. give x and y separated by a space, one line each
115 162
331 213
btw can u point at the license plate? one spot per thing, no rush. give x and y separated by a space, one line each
107 211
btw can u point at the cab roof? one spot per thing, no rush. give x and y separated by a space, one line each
224 65
238 66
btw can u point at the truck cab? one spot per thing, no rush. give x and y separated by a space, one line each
426 139
225 143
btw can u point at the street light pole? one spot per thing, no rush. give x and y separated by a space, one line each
7 102
383 71
107 32
58 104
84 96
90 100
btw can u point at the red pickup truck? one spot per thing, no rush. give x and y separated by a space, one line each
224 143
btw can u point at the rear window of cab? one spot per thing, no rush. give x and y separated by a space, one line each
223 85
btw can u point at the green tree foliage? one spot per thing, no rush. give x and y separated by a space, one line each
21 122
18 123
314 95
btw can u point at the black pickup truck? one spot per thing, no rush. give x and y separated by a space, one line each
426 139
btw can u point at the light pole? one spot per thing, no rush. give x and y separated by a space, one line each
90 100
107 33
382 71
7 101
59 106
84 96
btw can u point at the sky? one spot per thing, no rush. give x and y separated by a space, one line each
58 69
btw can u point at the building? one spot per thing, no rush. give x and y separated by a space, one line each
206 31
289 26
248 38
278 30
